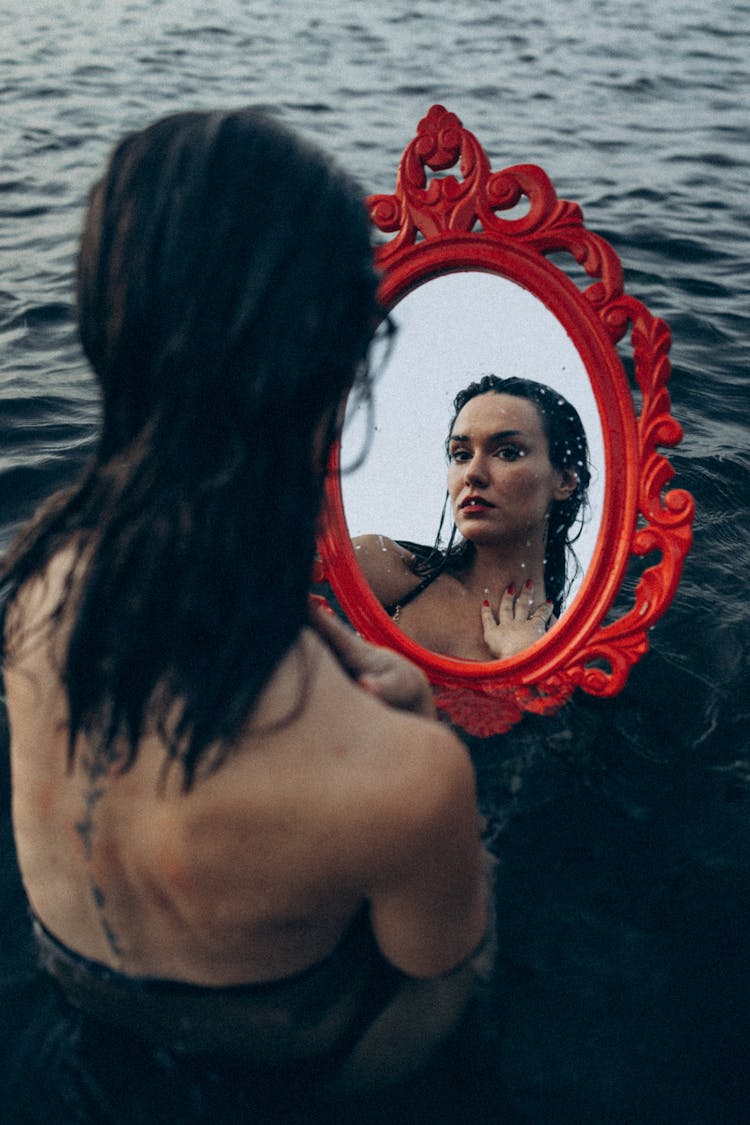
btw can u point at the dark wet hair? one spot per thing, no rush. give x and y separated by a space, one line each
227 300
568 449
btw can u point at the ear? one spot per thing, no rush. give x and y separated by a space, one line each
566 484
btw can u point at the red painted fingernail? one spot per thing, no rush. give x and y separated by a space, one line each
511 589
528 584
321 603
485 602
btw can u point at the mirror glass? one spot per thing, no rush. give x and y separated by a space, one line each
452 330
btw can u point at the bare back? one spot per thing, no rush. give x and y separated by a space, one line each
259 870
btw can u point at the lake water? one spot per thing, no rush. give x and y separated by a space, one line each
622 826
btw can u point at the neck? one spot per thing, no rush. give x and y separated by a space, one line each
494 569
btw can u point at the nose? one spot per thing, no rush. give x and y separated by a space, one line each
475 471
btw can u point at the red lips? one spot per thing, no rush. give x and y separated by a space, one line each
475 502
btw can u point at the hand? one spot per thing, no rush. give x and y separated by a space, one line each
520 623
385 674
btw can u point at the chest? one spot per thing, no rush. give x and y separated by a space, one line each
446 619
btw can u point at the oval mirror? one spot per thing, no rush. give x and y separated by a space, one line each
450 331
479 285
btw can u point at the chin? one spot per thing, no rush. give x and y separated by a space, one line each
476 533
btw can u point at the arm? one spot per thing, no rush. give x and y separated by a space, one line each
428 888
386 566
430 896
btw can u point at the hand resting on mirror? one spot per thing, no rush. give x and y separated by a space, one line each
383 673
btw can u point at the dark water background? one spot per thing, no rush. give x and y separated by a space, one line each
622 826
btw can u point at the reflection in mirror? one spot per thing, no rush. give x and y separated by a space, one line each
452 331
535 321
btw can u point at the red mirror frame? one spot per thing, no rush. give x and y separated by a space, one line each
452 225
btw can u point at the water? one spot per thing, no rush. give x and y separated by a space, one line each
622 825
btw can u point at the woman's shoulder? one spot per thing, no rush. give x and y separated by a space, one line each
394 568
373 727
426 560
345 758
36 603
371 545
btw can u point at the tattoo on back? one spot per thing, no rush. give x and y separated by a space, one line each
93 794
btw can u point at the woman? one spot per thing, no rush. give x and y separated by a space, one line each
517 479
241 833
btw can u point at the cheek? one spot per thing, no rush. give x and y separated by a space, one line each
453 481
518 478
531 485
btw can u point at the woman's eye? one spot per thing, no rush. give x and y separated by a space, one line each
459 455
509 453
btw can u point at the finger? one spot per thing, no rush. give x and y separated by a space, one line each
379 671
352 651
402 686
319 602
489 625
543 612
527 595
506 611
393 683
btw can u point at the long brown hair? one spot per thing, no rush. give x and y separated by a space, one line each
226 299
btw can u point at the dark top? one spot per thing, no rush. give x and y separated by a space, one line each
311 1013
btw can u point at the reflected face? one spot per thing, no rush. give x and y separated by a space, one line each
501 482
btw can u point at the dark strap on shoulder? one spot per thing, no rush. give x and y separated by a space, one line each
425 557
391 609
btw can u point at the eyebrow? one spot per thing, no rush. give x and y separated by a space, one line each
499 436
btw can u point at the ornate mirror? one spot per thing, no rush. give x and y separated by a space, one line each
492 273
